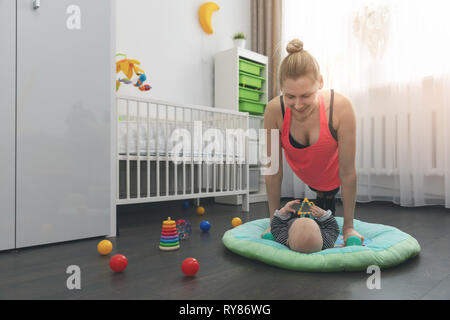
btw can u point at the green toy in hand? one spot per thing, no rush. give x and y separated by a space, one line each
353 241
268 236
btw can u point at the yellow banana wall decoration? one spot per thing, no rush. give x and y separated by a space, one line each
204 15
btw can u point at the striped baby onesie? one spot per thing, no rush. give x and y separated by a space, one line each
327 223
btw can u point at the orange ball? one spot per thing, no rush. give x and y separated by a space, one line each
236 222
104 247
200 211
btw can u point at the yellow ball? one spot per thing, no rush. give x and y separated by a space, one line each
104 247
200 211
236 222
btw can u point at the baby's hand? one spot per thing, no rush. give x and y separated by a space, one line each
317 212
289 207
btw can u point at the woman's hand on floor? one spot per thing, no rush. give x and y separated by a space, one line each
348 232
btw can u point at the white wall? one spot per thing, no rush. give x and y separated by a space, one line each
175 53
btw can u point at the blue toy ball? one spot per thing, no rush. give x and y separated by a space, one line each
186 204
205 226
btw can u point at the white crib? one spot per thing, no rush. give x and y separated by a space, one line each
169 151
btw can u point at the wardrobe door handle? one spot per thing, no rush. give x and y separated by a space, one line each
36 4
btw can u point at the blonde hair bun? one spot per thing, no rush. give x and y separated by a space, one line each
294 46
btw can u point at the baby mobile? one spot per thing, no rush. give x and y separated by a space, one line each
129 68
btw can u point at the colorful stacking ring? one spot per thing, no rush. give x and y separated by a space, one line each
169 233
169 244
168 241
169 237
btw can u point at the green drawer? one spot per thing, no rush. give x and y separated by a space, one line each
249 80
251 107
250 67
250 94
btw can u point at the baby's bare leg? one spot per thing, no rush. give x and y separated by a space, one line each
305 236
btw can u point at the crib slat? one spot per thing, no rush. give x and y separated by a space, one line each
148 150
240 157
157 153
235 155
223 159
138 151
166 139
207 177
214 185
117 152
200 164
175 164
192 150
128 151
207 158
221 125
184 157
228 165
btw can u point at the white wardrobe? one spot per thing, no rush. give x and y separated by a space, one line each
56 100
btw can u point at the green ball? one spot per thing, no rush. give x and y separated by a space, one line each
353 241
268 236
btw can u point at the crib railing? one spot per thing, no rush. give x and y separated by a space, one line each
169 151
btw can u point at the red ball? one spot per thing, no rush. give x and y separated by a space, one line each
118 263
190 267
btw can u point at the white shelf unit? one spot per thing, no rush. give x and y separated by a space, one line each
227 97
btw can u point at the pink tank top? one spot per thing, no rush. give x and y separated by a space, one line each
316 165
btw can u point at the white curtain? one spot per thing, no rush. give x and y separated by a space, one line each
392 59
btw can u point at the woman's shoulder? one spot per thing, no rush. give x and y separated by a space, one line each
272 113
341 100
274 105
342 108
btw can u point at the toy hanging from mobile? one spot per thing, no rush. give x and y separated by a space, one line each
130 67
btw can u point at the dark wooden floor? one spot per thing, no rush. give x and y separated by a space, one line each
40 273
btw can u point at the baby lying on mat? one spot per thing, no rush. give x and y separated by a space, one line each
304 234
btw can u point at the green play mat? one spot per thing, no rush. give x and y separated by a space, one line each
387 247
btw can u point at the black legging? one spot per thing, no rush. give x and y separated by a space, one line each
326 199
